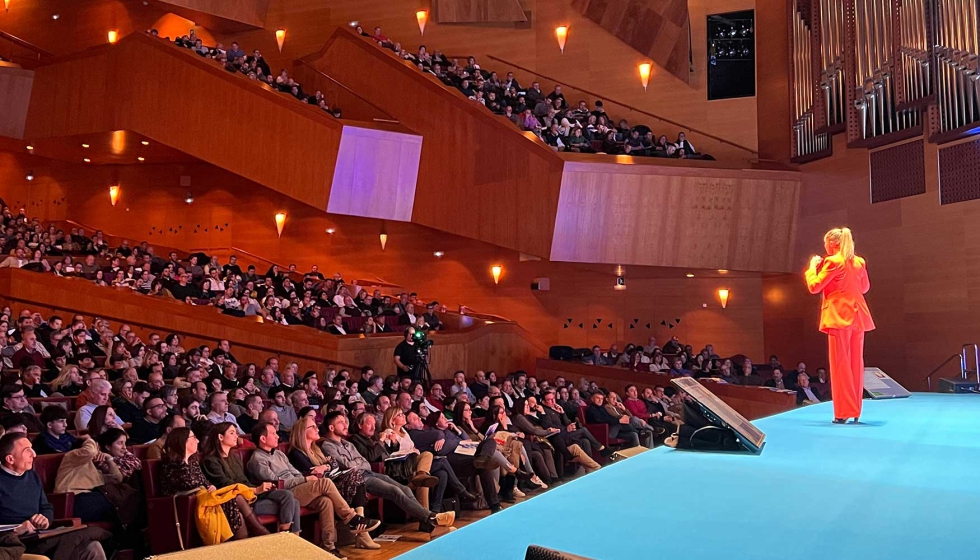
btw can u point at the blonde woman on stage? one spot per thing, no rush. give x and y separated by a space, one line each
842 278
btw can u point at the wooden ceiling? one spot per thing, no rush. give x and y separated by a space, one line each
113 148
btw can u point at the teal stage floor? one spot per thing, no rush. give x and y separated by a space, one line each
903 484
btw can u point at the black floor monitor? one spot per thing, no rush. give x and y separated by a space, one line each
720 414
535 552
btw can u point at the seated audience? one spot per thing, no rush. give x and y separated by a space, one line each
268 464
308 459
336 446
223 468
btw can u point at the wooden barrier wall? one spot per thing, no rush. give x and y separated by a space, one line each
750 402
15 91
649 214
503 347
478 178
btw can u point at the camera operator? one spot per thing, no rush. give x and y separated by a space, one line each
406 354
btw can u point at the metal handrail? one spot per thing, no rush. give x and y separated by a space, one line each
630 107
25 45
928 378
389 119
976 360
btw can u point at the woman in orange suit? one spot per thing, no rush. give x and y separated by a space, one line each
842 278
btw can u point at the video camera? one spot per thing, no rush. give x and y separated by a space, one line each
422 343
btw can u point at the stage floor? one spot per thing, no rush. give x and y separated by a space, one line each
902 484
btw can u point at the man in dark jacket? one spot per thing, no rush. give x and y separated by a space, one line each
619 426
554 416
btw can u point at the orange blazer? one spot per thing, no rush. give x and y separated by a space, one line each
843 285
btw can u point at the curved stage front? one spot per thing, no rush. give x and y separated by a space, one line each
902 484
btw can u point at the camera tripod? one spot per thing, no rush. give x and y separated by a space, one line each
420 371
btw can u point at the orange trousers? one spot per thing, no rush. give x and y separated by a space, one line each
846 352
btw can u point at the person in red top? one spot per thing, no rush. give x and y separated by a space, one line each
842 278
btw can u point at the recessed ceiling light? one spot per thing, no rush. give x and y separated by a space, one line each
145 143
439 254
85 145
141 158
30 175
331 230
189 198
690 275
30 148
86 160
722 271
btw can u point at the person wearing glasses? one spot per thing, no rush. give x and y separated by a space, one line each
148 428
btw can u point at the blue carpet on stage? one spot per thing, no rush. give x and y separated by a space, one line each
902 484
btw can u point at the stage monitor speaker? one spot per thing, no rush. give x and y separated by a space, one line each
958 385
720 414
267 547
624 454
879 385
535 552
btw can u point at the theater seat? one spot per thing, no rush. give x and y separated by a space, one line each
599 431
46 467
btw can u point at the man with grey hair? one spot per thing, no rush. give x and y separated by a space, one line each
99 390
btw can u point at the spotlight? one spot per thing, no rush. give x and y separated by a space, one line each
189 198
439 254
30 175
30 148
55 17
86 160
690 275
331 230
722 271
145 143
85 146
141 158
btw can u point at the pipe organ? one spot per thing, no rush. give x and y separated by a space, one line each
883 71
807 140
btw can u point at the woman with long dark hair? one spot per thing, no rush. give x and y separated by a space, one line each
223 467
180 472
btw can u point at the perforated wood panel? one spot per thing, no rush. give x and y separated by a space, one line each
958 172
898 172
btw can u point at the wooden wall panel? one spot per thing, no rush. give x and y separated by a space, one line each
478 11
922 260
700 218
376 174
221 14
594 59
15 90
772 79
656 28
477 177
751 402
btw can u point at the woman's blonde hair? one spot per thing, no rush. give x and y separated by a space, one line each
842 238
63 377
389 417
297 441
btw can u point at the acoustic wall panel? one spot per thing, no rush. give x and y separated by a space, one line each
958 166
898 172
